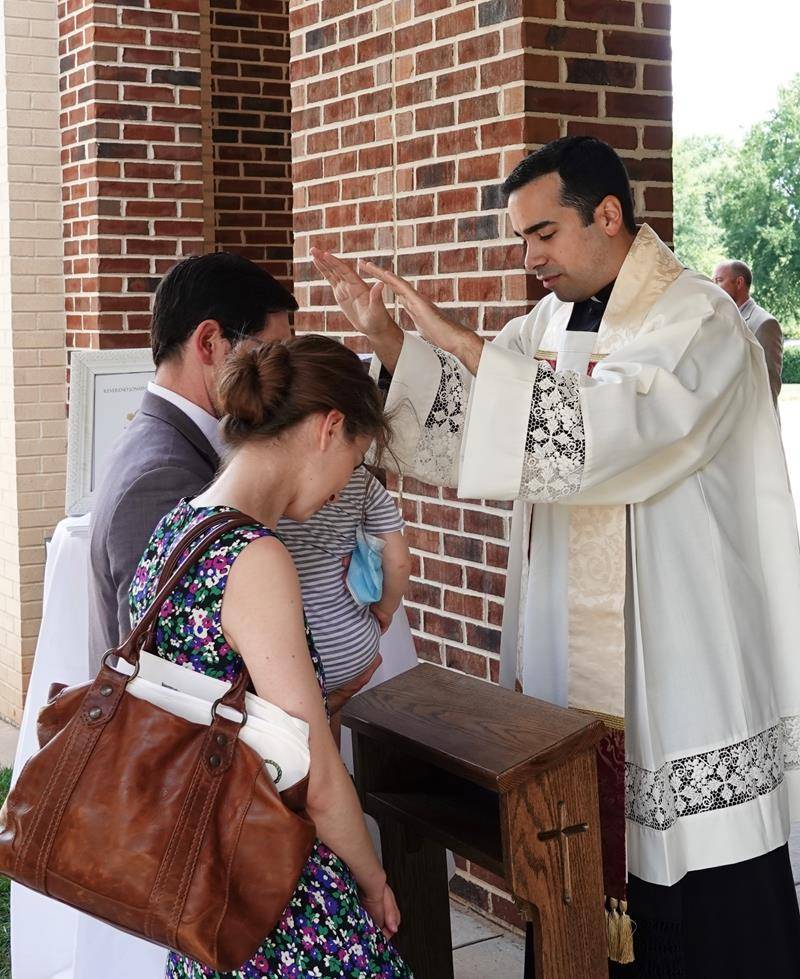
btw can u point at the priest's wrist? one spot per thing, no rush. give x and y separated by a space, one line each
467 347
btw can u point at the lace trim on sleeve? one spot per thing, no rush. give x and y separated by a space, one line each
555 447
439 443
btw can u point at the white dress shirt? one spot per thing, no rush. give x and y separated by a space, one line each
206 422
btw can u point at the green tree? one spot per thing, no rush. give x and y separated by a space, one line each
698 163
758 206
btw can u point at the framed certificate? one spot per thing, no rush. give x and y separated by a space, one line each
105 392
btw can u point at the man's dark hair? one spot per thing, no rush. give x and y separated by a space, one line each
227 288
590 170
741 269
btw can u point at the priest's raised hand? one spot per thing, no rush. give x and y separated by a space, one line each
364 307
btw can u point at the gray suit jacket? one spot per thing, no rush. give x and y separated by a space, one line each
768 332
162 457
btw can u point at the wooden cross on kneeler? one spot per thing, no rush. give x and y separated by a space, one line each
562 834
444 761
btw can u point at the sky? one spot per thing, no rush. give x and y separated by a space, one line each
729 58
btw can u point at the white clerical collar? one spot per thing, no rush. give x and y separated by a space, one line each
207 423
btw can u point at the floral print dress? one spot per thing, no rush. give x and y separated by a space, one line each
324 931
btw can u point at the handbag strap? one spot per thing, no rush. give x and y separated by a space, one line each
218 525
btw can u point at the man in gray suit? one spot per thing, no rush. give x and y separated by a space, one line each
172 448
737 280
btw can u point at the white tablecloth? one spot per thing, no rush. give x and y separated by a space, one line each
50 940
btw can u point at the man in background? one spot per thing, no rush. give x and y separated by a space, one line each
172 449
736 279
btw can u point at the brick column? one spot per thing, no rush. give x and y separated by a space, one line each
32 355
251 139
132 138
406 116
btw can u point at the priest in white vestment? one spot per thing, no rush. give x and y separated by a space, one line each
654 572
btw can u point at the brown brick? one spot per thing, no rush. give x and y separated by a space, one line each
458 260
457 141
480 107
593 71
657 138
496 555
411 150
424 594
505 133
469 891
480 522
414 36
658 78
602 11
563 101
658 199
465 548
554 38
653 46
486 582
461 21
483 637
479 290
413 265
656 15
427 649
435 232
457 201
628 106
342 56
443 626
506 910
483 167
436 59
357 81
620 137
416 206
456 83
468 606
446 572
494 613
434 117
479 48
414 92
371 48
503 257
447 517
473 664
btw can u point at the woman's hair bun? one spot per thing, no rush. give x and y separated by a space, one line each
254 383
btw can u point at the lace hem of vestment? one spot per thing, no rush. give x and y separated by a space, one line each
712 780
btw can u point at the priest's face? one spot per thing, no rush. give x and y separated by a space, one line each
570 258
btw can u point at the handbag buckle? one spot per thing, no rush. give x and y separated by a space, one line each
239 710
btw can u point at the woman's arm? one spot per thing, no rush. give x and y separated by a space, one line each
262 618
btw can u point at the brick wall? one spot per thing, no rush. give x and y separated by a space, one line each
406 116
251 138
132 157
32 355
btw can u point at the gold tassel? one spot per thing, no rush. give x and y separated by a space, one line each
620 932
612 925
625 935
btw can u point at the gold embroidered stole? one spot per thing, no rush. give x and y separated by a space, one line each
597 541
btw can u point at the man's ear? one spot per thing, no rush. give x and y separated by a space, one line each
608 214
208 342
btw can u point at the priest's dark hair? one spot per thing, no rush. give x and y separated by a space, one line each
589 170
220 286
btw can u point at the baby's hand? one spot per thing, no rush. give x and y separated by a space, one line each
384 619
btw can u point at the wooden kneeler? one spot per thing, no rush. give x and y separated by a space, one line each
443 761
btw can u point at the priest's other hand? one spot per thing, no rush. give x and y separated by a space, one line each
362 304
429 320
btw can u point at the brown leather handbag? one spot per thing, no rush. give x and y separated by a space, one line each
170 830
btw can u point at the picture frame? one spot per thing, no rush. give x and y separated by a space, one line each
106 389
